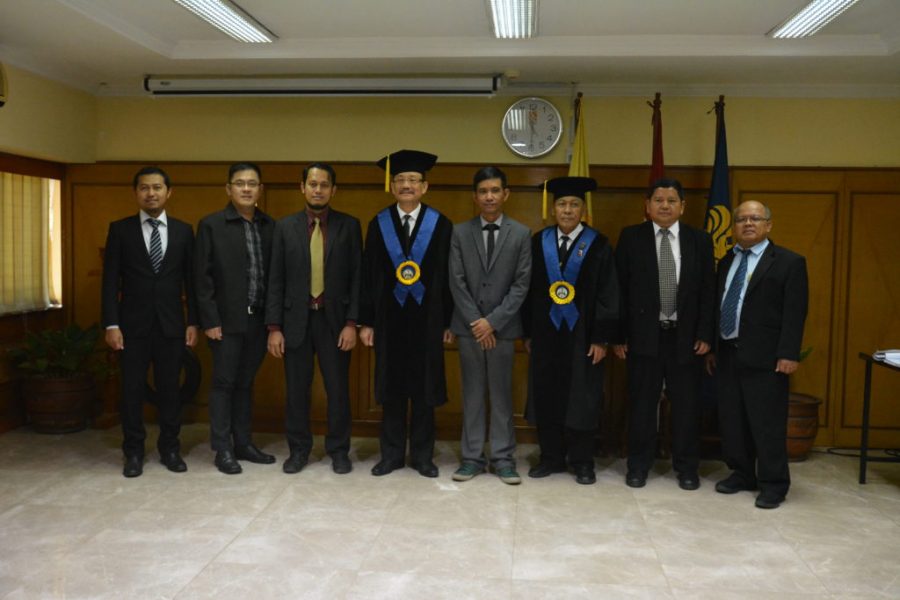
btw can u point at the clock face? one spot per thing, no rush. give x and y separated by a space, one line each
531 127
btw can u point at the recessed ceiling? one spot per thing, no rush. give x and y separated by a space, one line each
606 46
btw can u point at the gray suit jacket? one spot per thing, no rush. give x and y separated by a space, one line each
495 291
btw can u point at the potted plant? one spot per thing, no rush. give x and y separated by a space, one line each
803 421
58 385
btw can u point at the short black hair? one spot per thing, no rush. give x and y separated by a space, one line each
151 171
322 166
488 173
243 166
665 182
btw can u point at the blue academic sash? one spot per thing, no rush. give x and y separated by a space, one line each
562 284
407 269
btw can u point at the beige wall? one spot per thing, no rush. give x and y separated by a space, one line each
48 120
761 132
44 119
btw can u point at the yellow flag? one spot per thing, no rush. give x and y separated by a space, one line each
580 166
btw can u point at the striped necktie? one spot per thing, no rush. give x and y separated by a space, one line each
733 295
156 253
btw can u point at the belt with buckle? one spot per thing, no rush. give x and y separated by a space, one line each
316 305
732 343
254 310
668 324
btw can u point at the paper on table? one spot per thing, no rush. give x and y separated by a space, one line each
892 357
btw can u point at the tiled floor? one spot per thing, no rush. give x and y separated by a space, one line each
72 527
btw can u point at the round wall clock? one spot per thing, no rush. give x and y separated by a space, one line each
531 127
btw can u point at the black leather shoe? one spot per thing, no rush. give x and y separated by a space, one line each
688 481
584 474
769 500
227 463
340 463
253 454
425 469
173 462
386 466
295 462
733 484
544 469
635 479
134 466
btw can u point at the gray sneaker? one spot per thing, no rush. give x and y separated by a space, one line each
467 471
508 475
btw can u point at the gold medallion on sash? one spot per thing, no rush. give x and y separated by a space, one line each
562 292
408 272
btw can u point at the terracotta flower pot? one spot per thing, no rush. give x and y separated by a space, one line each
802 425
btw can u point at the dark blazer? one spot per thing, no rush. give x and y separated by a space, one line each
637 266
220 268
287 302
774 308
133 295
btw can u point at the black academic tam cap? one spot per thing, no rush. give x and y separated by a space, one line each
571 186
404 161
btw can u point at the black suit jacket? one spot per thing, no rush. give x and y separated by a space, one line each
638 269
774 309
220 268
133 296
288 298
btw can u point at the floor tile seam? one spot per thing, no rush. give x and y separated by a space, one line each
213 558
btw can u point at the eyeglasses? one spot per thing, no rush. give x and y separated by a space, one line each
754 219
408 180
240 183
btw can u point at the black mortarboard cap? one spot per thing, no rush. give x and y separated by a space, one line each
403 161
571 186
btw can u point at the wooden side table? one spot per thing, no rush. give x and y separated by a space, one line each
864 437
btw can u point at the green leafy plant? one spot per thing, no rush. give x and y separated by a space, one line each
58 353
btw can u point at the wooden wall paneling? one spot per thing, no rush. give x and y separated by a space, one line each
873 316
808 204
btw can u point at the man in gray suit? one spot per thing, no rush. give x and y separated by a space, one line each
490 270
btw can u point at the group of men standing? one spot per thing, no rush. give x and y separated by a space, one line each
305 286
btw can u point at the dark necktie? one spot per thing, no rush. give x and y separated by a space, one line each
406 233
733 295
563 249
156 253
668 283
491 228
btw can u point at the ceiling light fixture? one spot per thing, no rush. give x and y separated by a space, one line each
811 18
513 19
230 19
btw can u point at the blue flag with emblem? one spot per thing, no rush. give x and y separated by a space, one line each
562 283
718 206
407 269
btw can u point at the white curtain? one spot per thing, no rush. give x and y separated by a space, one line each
30 265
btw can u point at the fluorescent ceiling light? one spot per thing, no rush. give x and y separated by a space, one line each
513 19
477 85
230 19
811 18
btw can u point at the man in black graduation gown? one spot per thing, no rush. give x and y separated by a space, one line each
405 312
569 318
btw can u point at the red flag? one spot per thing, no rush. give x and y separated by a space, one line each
657 165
